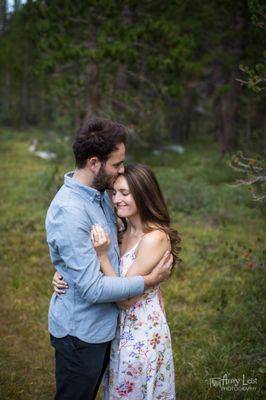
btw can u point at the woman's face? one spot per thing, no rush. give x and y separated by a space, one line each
123 199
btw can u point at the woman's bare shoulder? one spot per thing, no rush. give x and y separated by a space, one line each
154 238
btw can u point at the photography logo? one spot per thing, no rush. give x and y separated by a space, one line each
230 384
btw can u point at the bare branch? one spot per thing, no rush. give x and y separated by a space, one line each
259 198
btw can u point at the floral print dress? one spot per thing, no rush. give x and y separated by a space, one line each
141 360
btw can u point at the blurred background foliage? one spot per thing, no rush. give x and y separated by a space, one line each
167 69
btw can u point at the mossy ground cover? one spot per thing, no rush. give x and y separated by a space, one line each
214 300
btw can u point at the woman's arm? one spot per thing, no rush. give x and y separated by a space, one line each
106 266
158 274
154 244
100 242
150 251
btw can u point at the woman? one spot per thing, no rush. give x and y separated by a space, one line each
141 360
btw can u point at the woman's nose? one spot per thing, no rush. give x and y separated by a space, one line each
115 198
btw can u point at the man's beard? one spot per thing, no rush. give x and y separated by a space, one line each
102 180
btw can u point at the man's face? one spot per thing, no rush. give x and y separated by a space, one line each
110 170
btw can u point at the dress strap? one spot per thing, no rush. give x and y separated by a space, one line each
134 247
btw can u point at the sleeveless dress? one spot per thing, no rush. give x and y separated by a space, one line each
141 359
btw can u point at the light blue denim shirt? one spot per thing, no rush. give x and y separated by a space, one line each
87 310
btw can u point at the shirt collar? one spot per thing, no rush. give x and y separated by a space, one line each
88 191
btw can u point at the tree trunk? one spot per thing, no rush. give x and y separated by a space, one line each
92 92
227 92
180 117
121 81
24 94
17 4
120 85
3 19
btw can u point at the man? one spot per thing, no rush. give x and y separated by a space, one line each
83 321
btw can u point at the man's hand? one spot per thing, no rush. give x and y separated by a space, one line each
161 271
59 284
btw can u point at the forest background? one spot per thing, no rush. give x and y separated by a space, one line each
188 79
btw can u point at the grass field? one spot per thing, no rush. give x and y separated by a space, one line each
215 300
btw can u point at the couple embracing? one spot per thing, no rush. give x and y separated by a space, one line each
106 317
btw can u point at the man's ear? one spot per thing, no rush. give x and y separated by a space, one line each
93 164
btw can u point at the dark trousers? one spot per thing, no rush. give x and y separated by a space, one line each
79 367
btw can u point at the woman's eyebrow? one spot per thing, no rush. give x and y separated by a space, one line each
121 189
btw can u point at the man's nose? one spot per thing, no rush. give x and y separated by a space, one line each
121 169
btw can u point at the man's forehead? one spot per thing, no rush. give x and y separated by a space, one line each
118 154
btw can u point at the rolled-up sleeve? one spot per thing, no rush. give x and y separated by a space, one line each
71 235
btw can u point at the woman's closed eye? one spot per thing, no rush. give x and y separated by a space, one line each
122 192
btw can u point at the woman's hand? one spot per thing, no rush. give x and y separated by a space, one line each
123 305
59 284
100 240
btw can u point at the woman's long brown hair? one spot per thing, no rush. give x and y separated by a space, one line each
150 203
